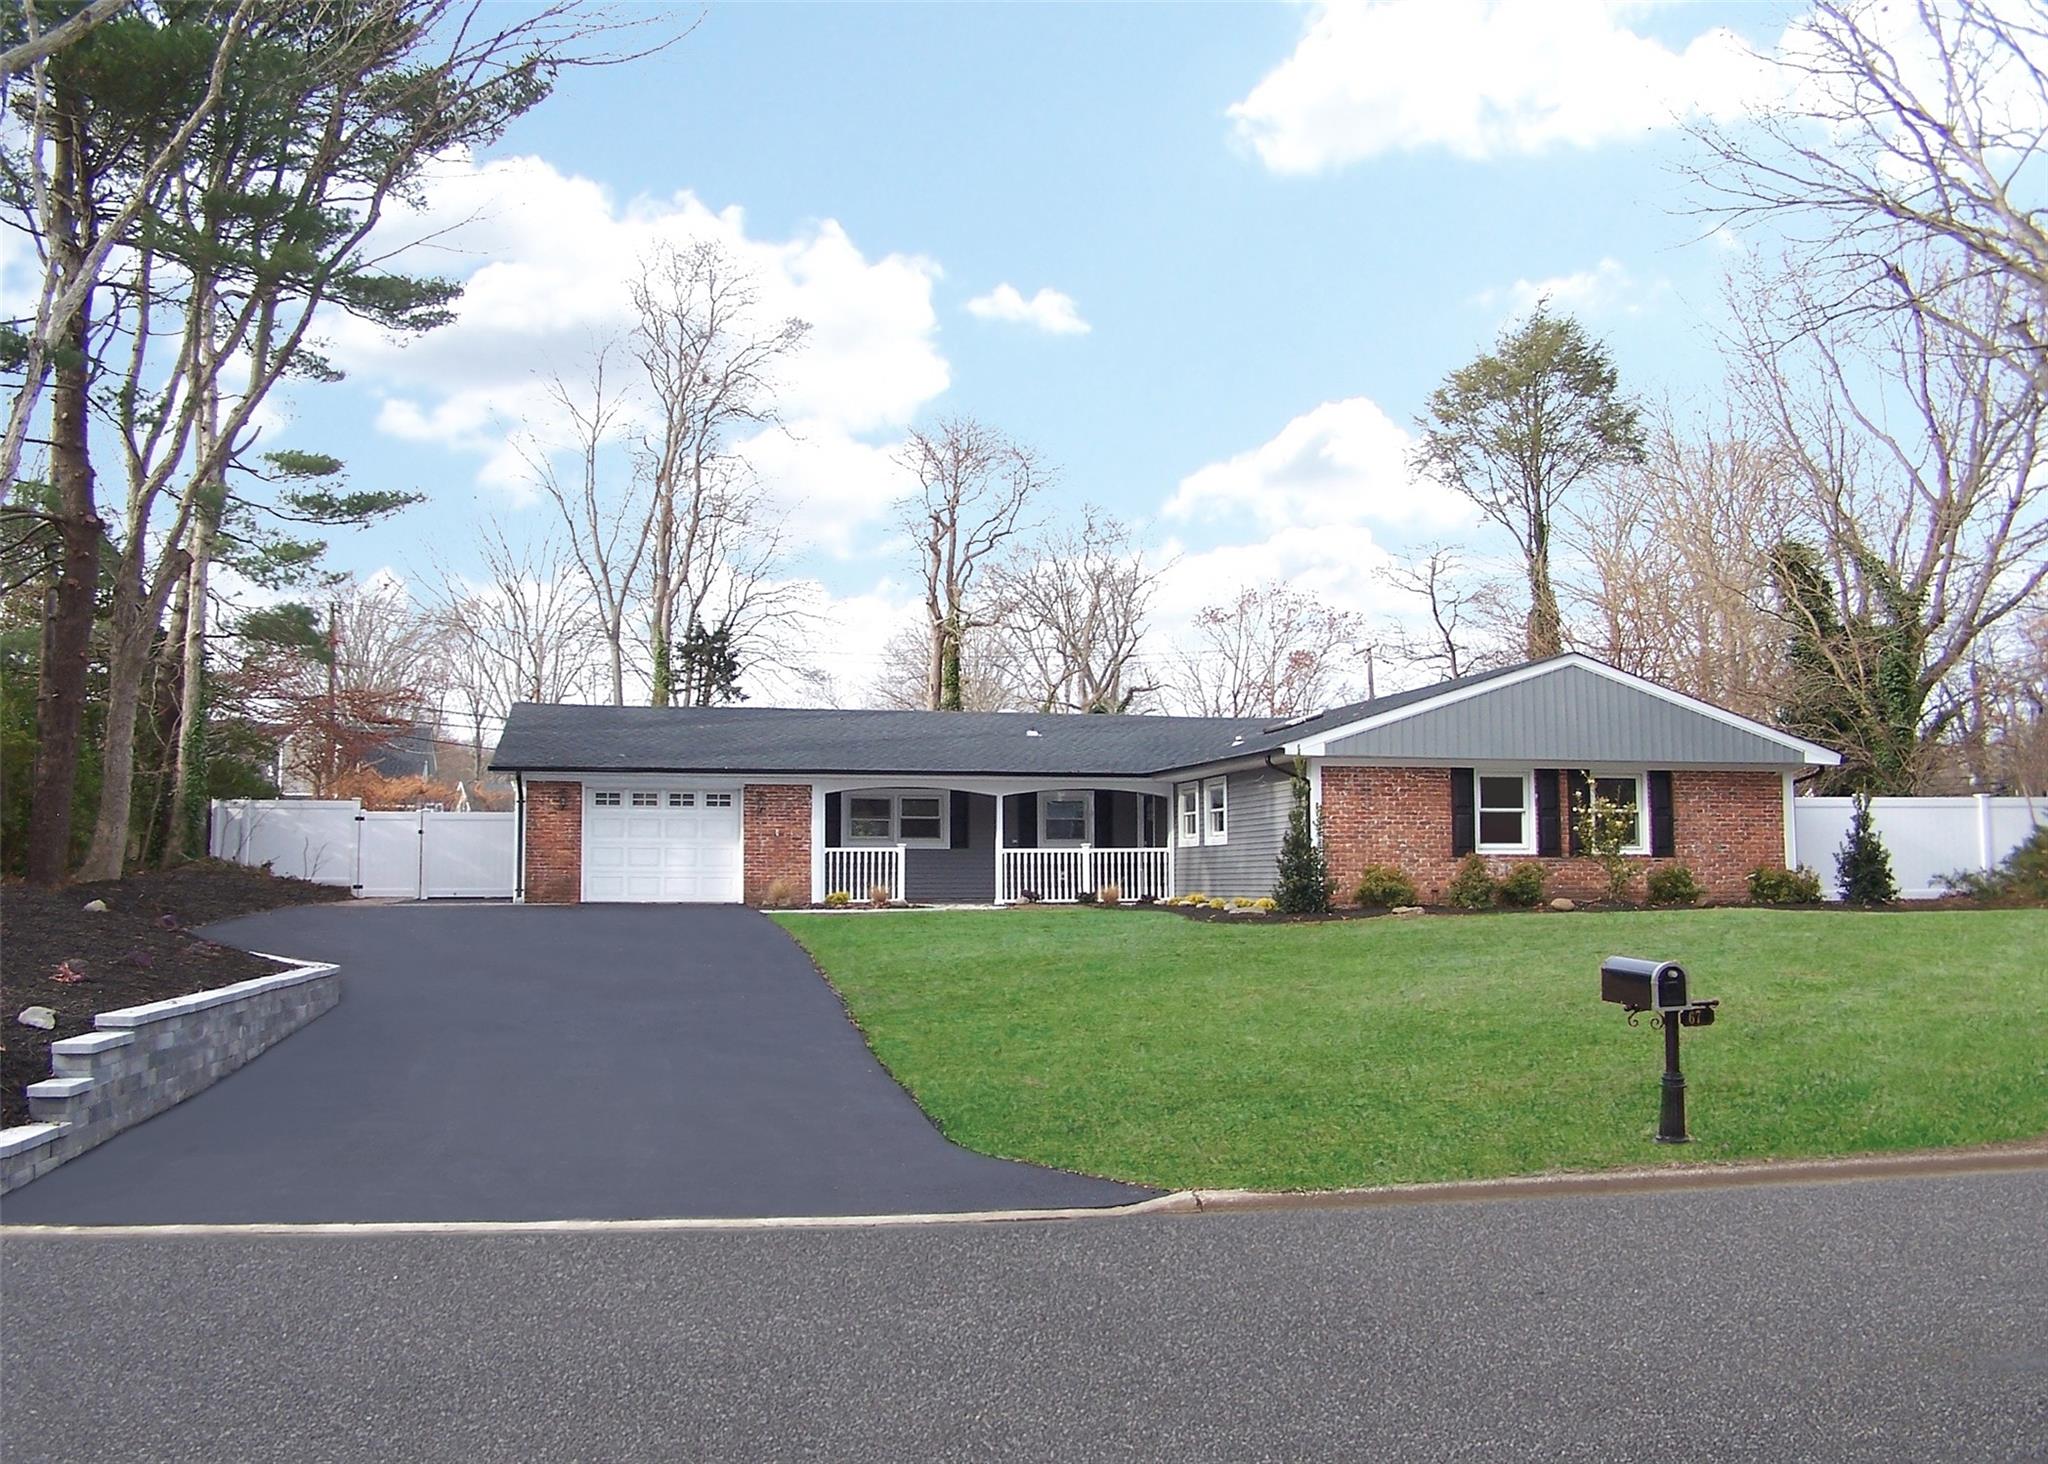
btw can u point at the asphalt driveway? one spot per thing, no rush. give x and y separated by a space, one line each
535 1063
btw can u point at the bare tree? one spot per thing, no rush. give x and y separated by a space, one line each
1920 462
974 487
521 631
1271 652
1470 616
713 547
988 680
1902 163
1073 614
1675 560
607 522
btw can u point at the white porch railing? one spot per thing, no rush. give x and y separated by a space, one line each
857 871
1058 876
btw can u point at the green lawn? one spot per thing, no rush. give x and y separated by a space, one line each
1183 1054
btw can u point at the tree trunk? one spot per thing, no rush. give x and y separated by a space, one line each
949 680
136 616
1546 624
64 675
191 754
166 699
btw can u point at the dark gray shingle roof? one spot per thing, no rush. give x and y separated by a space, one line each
560 738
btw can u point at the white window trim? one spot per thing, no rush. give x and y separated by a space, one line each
894 798
1187 809
1641 778
1209 835
1087 797
1527 843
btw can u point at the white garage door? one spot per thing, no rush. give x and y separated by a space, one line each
661 844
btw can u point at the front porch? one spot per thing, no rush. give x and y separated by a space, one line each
992 842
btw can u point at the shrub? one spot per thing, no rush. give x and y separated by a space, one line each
1863 866
1605 829
1216 904
2021 875
1193 898
1265 902
1029 897
1673 885
781 894
1384 884
1303 885
880 895
1523 886
1773 884
1084 897
1110 894
1471 888
839 899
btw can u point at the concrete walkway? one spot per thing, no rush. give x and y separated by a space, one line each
531 1063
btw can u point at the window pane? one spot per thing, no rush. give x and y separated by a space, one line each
1622 792
1066 819
920 808
918 818
1500 793
1500 828
870 818
646 800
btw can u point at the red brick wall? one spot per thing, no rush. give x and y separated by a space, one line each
1727 823
554 843
776 818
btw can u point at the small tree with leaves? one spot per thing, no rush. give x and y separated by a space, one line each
1605 830
1303 887
1863 866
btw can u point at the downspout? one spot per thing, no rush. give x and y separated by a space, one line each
519 840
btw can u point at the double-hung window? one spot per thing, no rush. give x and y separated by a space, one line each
1189 802
1504 813
1063 818
920 817
1216 811
1625 790
871 820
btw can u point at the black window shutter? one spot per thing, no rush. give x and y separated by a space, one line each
1027 821
1464 820
1581 794
959 820
1549 827
1105 818
832 820
1663 834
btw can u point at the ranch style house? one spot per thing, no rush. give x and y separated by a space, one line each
761 805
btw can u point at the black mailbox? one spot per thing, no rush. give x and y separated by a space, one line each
1643 985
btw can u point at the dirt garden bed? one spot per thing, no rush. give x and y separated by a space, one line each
139 949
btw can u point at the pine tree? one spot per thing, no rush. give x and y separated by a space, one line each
1863 866
1304 883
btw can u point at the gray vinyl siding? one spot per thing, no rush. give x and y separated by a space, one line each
957 876
1259 800
1567 718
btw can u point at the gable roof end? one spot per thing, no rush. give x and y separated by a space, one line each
1326 740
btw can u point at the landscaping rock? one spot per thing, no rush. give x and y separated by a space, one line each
1561 903
1406 910
38 1016
98 906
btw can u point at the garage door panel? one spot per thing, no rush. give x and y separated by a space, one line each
666 844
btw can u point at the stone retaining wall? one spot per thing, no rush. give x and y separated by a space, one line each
141 1060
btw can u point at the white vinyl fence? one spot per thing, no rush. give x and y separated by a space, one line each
1927 837
426 855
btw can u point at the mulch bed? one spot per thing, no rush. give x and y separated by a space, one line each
139 949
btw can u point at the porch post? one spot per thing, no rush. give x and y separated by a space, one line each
817 845
1000 800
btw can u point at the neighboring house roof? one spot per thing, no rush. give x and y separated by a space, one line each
1567 708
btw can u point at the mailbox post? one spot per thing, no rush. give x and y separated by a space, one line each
1660 988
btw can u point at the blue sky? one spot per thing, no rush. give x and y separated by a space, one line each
1265 215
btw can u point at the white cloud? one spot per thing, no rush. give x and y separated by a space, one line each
1345 462
1482 80
547 258
1607 288
1048 310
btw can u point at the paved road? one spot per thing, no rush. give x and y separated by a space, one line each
1879 1320
520 1063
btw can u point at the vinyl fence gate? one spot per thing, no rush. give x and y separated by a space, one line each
420 855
